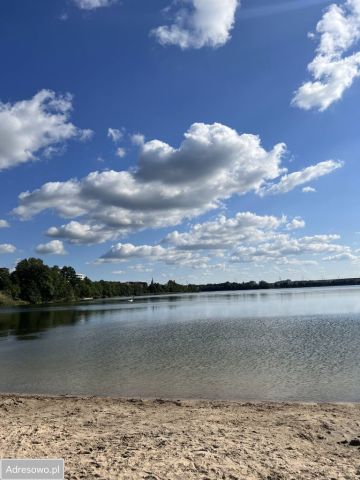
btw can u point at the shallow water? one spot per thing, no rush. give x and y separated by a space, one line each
300 345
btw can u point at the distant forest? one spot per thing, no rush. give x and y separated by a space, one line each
33 282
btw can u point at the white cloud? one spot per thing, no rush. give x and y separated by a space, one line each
92 4
55 247
38 126
138 139
169 184
85 135
308 190
333 72
295 224
124 252
296 262
213 154
290 181
198 23
224 233
115 134
342 257
223 242
248 237
120 152
4 224
283 245
141 268
80 233
7 248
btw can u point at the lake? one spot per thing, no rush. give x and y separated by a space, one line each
280 345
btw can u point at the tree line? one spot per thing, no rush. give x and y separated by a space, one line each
34 282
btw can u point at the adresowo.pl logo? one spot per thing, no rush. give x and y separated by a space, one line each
32 469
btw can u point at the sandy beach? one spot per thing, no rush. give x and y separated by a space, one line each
157 439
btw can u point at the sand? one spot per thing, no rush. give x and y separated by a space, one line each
155 439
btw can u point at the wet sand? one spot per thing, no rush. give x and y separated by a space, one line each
154 439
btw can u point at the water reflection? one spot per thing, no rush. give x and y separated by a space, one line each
24 325
273 345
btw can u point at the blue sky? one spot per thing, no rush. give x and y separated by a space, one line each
193 181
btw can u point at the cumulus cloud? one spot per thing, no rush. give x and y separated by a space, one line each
92 4
244 238
295 224
283 246
7 248
342 256
250 237
138 139
115 134
55 247
290 181
308 190
224 232
198 23
334 67
214 154
80 233
170 256
120 152
4 224
168 185
34 127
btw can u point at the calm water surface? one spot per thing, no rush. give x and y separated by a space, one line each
265 345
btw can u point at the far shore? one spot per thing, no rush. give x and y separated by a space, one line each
109 438
6 301
35 283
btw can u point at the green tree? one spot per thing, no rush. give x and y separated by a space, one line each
35 281
5 280
69 274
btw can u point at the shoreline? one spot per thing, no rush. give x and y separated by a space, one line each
66 303
160 439
160 399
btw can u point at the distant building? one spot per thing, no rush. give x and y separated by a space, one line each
80 276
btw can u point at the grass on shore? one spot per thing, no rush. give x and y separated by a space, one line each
7 301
